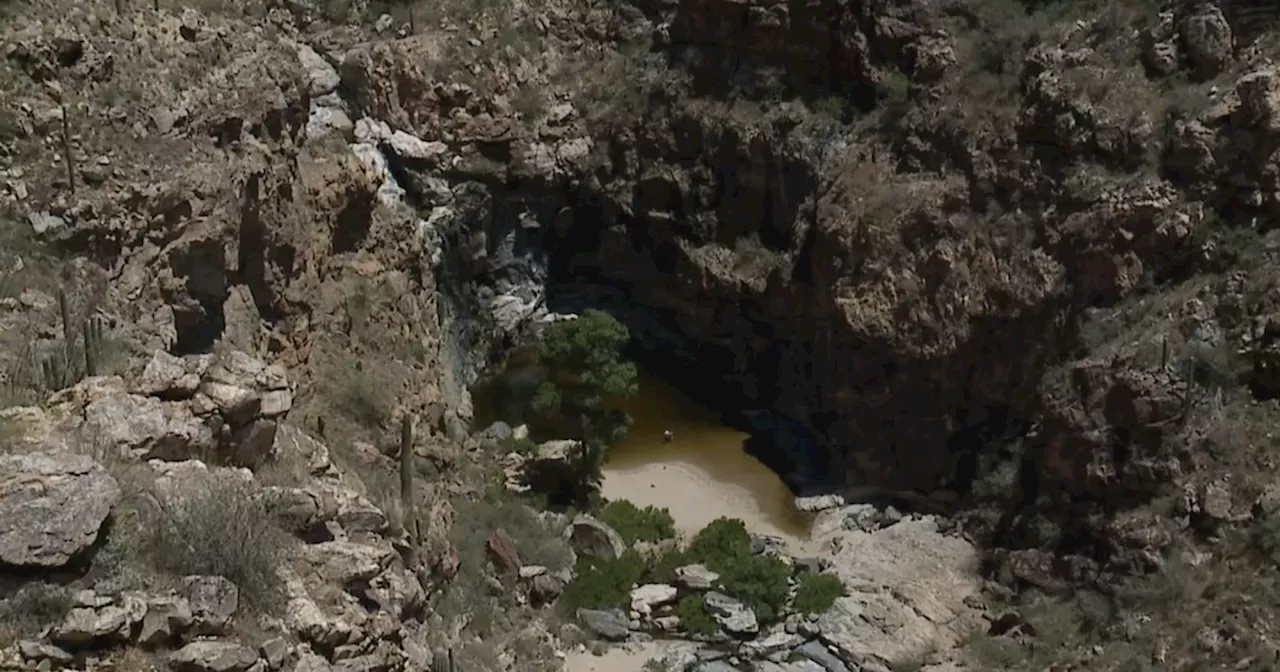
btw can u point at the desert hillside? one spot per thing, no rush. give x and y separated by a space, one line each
991 284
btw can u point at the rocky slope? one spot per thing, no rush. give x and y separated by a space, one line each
907 227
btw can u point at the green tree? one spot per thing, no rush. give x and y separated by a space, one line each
586 374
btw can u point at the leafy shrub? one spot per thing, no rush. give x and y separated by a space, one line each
721 543
817 592
524 446
649 524
586 371
364 398
224 527
30 608
760 581
603 584
663 565
694 616
1265 536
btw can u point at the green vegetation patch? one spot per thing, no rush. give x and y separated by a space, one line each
694 616
760 581
816 593
650 524
586 374
31 608
603 584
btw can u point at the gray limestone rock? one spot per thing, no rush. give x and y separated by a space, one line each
52 506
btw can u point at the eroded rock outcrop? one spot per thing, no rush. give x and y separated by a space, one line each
910 591
52 506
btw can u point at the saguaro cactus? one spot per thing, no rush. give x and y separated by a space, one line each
66 149
1189 397
62 367
64 307
92 329
406 479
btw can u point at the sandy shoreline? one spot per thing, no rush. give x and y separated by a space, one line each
695 497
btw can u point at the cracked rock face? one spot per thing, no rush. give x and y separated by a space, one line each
52 506
907 588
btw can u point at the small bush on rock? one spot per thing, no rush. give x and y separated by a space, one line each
1265 536
816 593
603 584
225 527
721 543
663 565
649 524
525 446
760 581
694 616
30 608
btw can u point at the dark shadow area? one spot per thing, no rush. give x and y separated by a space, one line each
197 311
786 447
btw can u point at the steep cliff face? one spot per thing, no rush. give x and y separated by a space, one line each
884 222
889 222
824 287
901 227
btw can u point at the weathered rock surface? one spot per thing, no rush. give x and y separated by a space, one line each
645 598
212 656
732 615
909 591
52 506
590 537
696 577
612 624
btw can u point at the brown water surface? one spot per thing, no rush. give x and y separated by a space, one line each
702 474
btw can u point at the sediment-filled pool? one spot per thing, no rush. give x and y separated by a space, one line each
701 474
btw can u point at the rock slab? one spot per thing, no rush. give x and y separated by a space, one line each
52 506
908 587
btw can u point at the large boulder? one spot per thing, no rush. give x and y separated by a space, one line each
52 506
732 615
343 563
212 656
146 428
213 601
83 626
610 624
910 589
167 617
590 537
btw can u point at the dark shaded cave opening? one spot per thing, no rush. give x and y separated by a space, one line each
983 439
703 372
197 329
352 226
197 306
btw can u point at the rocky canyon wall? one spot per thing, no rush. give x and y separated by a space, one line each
884 220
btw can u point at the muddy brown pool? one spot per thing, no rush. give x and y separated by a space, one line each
702 474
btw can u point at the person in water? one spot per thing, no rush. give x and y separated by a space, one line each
667 436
